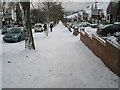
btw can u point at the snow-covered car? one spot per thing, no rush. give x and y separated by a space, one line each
108 30
14 34
93 25
38 27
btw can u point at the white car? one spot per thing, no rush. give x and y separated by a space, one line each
38 27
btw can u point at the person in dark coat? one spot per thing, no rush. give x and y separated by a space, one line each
51 26
45 27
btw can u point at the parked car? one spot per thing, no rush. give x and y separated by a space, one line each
38 27
14 34
93 25
108 30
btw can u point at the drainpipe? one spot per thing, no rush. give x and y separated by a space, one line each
118 13
0 15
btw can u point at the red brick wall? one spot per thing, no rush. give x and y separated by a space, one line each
109 54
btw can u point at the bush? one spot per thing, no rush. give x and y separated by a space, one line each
117 35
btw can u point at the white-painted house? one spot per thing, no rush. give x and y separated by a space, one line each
97 11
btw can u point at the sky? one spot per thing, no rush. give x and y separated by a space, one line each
69 5
75 6
72 6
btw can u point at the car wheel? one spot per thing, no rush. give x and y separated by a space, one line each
109 34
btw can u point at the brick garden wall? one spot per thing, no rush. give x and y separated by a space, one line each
108 53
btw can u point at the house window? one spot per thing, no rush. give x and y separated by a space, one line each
108 18
115 4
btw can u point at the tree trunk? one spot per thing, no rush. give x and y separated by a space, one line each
29 41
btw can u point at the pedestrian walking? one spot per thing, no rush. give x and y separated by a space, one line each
51 26
45 29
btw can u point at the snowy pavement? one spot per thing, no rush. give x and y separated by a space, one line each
60 60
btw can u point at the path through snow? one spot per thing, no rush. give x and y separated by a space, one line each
61 60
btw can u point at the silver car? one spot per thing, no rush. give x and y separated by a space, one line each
38 27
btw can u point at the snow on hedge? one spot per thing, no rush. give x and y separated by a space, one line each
92 31
113 41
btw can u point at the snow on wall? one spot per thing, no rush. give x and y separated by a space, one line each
92 31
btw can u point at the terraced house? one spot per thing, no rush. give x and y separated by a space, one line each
113 11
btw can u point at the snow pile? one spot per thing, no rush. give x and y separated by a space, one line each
59 61
90 30
60 23
113 41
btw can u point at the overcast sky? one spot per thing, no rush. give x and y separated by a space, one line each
72 6
75 6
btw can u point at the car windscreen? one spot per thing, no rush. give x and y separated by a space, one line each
14 30
106 26
8 26
38 26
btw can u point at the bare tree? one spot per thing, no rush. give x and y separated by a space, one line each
47 9
53 10
3 9
25 9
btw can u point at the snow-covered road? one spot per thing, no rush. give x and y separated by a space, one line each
60 60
